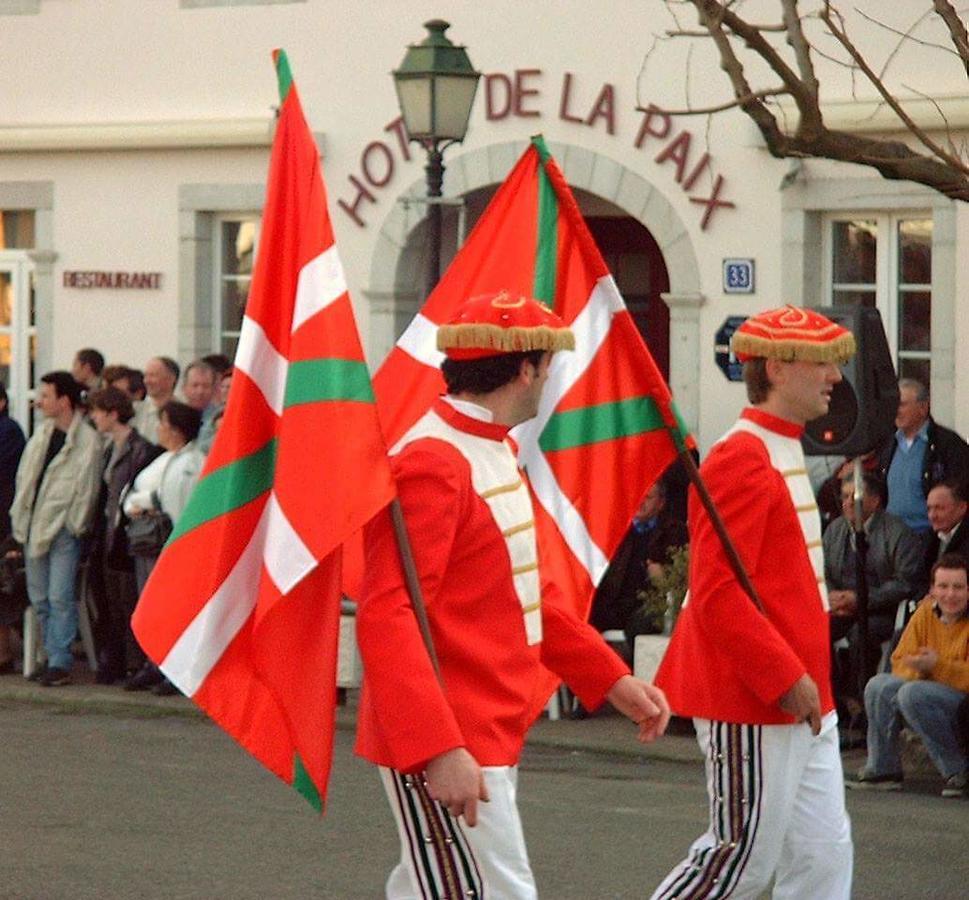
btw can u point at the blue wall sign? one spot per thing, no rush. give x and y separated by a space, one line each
738 276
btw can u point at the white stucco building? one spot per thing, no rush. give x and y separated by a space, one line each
134 139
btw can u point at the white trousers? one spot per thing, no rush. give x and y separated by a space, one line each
442 857
777 812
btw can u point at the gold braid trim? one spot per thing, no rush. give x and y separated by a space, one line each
839 350
504 340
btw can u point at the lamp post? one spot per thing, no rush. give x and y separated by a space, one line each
435 85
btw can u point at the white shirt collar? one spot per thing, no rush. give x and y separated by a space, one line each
472 410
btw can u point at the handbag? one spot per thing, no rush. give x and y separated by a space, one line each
148 532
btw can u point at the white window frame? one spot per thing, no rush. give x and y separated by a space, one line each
22 330
887 259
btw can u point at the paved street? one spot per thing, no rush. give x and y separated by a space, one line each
117 804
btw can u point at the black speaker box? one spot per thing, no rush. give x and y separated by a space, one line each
863 405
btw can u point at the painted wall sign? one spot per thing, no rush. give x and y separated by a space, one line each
129 280
726 361
738 276
520 95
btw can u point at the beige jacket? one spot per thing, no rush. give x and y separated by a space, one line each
68 492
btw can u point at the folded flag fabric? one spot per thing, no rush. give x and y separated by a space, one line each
242 609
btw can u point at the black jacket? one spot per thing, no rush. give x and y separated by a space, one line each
110 520
946 456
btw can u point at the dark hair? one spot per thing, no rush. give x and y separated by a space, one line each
171 365
113 372
219 362
6 401
112 399
873 482
64 386
950 561
91 358
482 376
182 418
136 381
756 380
955 486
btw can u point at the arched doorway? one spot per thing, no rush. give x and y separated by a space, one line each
631 254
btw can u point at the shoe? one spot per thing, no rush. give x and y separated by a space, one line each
868 781
955 786
146 677
55 677
165 688
38 673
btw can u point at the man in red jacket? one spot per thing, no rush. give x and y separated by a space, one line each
756 681
448 745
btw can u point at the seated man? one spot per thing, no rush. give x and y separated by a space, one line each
892 568
947 510
929 681
645 551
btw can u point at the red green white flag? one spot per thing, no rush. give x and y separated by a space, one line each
242 609
606 429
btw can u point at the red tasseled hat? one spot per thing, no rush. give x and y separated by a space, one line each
789 334
492 324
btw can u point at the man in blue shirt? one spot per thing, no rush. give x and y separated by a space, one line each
918 456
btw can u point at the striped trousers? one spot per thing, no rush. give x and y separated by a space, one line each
442 858
777 813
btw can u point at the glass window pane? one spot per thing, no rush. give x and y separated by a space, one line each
235 293
914 320
6 299
852 298
854 246
238 245
915 251
229 346
32 376
16 229
915 368
5 359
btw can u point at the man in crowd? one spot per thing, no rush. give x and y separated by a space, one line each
642 556
928 683
893 564
455 737
947 509
127 380
755 676
86 369
161 376
57 485
918 456
199 387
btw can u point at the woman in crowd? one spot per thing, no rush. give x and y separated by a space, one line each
163 488
125 455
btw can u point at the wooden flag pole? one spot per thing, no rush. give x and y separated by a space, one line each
733 557
413 583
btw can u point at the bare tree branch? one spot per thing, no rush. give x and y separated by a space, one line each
906 36
828 17
957 28
942 169
722 107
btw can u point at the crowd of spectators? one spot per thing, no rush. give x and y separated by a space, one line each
116 445
91 497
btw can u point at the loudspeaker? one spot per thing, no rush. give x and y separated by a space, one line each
863 405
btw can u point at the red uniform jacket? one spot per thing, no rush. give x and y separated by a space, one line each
726 660
477 618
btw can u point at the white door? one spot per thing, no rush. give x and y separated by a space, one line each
18 334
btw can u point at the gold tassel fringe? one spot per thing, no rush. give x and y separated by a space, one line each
504 340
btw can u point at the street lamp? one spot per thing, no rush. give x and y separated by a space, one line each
435 91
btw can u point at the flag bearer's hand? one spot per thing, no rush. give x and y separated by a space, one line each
644 703
454 778
803 702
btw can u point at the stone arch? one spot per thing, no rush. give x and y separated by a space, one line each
394 255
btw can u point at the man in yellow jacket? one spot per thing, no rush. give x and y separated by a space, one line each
928 682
